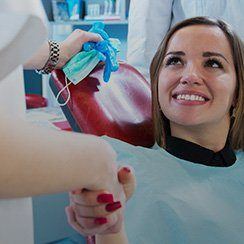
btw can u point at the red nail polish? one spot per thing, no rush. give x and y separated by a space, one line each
105 198
113 206
100 221
126 169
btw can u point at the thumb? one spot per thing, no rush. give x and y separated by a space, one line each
127 178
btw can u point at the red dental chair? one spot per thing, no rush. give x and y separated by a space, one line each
120 108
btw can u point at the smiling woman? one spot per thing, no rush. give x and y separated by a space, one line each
190 187
196 87
197 82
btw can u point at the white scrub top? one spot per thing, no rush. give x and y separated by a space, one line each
21 33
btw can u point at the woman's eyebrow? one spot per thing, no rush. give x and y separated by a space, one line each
179 53
210 54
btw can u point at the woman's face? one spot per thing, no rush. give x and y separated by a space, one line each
197 80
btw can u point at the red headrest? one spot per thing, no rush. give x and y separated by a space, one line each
120 108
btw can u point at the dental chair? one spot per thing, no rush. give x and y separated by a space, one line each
120 108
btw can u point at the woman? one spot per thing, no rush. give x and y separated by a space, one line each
190 189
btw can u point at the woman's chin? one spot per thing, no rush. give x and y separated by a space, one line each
186 120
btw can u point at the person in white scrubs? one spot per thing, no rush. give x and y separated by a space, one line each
149 21
36 160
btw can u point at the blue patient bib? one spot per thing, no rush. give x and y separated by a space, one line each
180 202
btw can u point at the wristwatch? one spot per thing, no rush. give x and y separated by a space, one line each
52 60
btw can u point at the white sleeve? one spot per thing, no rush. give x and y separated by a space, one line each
149 21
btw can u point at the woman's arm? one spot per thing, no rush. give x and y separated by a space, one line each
68 48
38 161
41 161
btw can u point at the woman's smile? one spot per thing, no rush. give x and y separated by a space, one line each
189 98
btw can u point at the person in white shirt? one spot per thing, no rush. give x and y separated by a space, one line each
35 160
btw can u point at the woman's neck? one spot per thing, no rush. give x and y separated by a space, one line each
209 136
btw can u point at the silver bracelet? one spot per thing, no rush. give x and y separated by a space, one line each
52 60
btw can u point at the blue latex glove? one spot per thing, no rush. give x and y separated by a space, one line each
108 47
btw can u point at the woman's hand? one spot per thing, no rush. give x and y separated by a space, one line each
73 44
100 212
68 48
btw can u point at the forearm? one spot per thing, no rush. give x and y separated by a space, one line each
118 238
38 161
68 48
39 59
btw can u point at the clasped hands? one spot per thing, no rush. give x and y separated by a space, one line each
101 211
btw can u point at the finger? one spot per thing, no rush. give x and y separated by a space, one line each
77 227
92 226
93 37
86 36
72 220
91 198
97 211
116 227
127 178
89 224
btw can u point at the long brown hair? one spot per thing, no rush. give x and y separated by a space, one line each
161 123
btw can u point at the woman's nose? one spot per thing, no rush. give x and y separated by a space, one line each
191 76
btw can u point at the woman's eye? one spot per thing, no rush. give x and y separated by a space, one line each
213 63
173 61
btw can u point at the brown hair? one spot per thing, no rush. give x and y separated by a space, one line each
161 123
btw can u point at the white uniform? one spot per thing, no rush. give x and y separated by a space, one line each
21 34
149 21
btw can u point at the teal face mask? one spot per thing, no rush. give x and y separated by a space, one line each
81 65
78 68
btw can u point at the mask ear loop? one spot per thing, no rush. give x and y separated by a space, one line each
68 98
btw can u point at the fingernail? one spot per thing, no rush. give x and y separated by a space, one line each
105 198
113 206
126 169
100 221
76 192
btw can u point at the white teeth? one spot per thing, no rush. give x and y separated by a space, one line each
190 97
187 97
